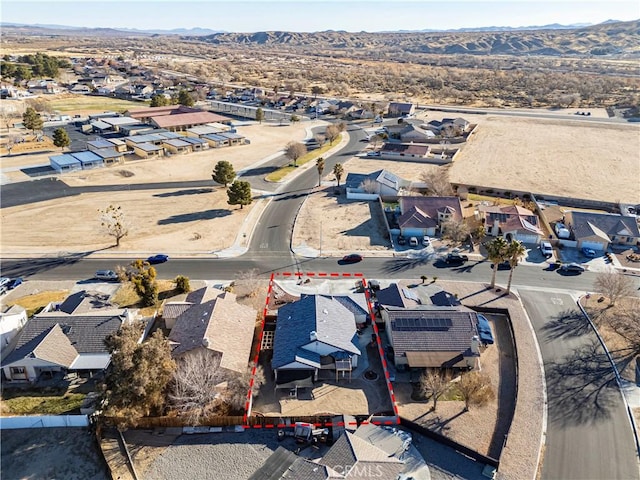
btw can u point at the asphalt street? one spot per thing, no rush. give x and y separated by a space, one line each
589 434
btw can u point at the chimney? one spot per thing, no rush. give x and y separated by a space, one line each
475 345
496 228
205 342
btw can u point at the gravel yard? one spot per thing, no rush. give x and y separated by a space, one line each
51 453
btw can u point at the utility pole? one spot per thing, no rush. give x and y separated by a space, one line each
321 238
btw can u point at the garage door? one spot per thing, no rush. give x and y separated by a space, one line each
532 239
413 232
592 245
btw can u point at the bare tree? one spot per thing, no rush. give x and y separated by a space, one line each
434 383
437 183
320 138
369 186
455 230
196 381
295 150
114 222
626 323
332 132
613 285
475 389
249 286
238 386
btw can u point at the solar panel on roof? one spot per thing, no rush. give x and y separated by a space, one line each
410 295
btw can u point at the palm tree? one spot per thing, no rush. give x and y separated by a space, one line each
515 251
320 167
338 171
497 253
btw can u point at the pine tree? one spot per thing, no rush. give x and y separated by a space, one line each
32 120
61 138
223 173
239 193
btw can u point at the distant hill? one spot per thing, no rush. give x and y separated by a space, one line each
620 38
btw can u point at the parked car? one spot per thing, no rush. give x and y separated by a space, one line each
106 275
588 252
413 242
503 266
562 231
402 240
159 258
352 258
13 283
572 268
426 241
373 154
456 259
546 249
4 281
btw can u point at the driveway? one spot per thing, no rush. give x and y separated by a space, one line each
589 435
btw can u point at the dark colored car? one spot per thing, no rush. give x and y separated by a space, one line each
159 258
352 258
588 252
13 283
455 259
402 240
503 266
572 268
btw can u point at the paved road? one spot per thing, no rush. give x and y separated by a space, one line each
589 435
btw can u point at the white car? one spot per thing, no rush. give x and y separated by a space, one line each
426 241
546 249
413 242
106 275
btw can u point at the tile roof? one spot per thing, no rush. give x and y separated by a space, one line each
587 224
222 325
512 218
181 119
430 206
408 148
332 323
432 329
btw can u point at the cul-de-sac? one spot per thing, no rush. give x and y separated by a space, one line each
393 252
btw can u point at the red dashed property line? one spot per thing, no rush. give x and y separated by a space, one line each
381 353
245 417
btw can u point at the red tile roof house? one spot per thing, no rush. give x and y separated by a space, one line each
212 319
511 222
424 215
405 151
65 337
176 117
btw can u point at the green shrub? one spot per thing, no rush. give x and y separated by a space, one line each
182 284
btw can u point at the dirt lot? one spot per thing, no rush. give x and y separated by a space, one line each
69 453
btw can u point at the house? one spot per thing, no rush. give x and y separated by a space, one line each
512 222
12 319
316 333
428 336
79 88
421 216
371 451
399 109
599 231
67 337
214 321
415 134
448 127
64 163
381 183
405 151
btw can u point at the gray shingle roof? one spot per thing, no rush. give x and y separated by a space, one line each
333 323
430 206
432 329
222 325
86 333
587 224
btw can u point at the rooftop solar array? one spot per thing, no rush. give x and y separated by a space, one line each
421 324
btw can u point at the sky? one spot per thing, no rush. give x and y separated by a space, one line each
312 15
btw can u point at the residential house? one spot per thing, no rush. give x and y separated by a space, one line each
216 322
512 222
12 319
421 216
65 337
448 127
400 109
316 333
415 134
405 151
380 183
370 451
599 231
428 336
80 88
